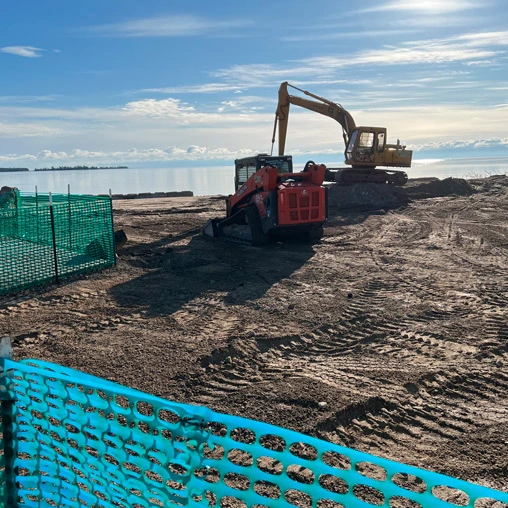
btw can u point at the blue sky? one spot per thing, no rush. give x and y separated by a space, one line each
176 82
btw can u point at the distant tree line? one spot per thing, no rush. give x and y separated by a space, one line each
63 168
8 170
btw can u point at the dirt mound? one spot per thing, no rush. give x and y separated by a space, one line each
441 188
366 195
495 183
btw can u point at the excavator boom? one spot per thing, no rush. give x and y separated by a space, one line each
323 107
365 147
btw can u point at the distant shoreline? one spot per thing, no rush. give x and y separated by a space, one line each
12 170
72 168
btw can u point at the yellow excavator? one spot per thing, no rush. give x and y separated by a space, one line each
366 147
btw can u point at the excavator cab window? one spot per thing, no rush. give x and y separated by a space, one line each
366 140
381 142
351 145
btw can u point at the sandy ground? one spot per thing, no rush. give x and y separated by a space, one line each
397 320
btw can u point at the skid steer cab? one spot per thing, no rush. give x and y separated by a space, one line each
272 202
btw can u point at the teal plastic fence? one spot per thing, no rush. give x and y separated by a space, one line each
44 242
73 440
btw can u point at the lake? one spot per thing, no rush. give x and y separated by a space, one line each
209 180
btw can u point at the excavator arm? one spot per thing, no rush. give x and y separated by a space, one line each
365 147
320 105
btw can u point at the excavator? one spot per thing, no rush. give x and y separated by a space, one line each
366 147
272 202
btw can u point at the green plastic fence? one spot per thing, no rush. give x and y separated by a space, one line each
73 440
44 242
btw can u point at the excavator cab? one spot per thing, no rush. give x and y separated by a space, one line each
246 167
367 148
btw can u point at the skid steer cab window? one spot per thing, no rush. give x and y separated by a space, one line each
282 166
244 172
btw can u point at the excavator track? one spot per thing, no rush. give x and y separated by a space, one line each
369 175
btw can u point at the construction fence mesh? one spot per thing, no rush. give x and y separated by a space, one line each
45 238
73 440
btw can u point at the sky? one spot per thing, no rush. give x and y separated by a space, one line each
193 82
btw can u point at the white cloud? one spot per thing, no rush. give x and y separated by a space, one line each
335 35
467 49
26 51
26 130
173 153
166 26
485 39
460 144
165 108
204 88
426 6
198 153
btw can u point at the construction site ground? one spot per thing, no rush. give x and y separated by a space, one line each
389 336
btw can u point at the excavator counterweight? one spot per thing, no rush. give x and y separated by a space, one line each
365 147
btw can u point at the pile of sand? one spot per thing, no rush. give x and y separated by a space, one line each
375 196
366 195
440 188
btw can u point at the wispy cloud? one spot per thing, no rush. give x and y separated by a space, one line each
469 143
485 39
165 26
333 36
26 51
153 108
23 99
199 89
426 6
26 130
171 153
465 49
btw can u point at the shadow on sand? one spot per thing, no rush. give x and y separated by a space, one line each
206 268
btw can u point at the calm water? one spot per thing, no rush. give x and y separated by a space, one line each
208 180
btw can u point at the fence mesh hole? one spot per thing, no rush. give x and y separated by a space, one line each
237 481
371 470
240 458
403 502
303 451
452 496
267 489
273 442
298 498
333 484
243 435
336 460
369 495
409 482
269 465
300 474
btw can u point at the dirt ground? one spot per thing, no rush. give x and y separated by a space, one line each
389 336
